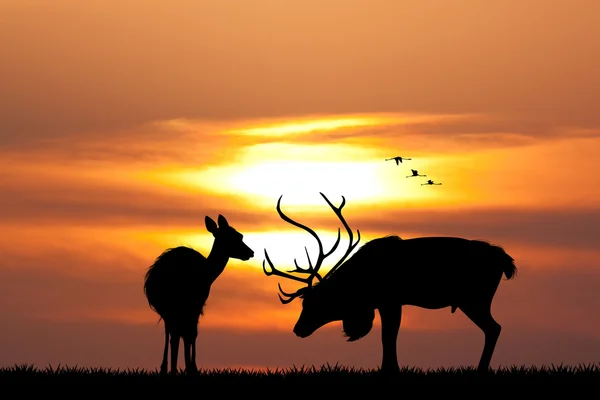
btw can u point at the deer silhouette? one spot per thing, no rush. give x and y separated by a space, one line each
414 173
397 159
389 272
178 284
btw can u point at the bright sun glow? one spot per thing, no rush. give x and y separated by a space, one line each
261 172
264 172
300 181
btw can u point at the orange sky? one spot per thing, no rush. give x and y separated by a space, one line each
122 124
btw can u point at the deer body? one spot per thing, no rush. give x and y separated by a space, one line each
387 273
428 272
178 284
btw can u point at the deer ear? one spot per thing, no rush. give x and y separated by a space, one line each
222 222
211 225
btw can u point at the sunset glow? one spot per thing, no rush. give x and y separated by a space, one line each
121 130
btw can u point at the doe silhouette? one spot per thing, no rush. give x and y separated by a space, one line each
414 173
397 159
177 286
387 273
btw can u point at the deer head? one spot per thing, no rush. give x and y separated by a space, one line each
312 271
228 240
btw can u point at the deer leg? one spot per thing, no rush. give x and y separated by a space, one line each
189 342
190 352
482 317
390 326
164 366
187 352
193 357
174 352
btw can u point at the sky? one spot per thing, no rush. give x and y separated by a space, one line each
124 123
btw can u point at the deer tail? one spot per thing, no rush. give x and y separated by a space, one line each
506 262
510 269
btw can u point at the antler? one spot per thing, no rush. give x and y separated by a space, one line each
312 271
351 246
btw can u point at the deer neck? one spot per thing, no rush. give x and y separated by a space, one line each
217 260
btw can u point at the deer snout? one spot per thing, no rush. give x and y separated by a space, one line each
298 332
243 254
303 330
249 254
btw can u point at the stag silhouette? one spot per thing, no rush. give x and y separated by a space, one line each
177 286
387 273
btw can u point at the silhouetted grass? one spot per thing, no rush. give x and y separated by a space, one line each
326 374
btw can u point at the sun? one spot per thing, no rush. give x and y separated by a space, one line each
300 182
262 173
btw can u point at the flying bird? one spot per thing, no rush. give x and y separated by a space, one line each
430 182
397 159
414 173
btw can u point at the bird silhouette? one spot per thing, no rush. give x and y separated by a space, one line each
414 173
397 159
430 182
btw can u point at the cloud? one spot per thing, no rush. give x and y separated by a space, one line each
64 77
187 143
573 229
172 176
48 198
92 204
165 142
